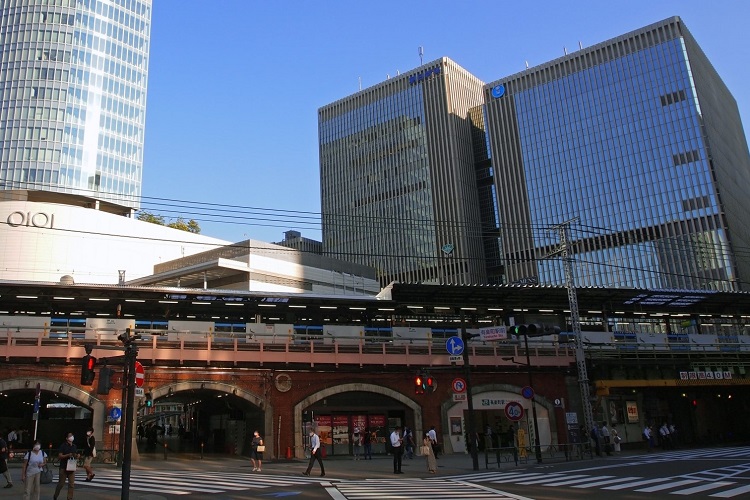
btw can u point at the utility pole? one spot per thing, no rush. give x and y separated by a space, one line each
537 445
131 354
575 320
471 426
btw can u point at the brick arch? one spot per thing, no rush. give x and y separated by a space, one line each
354 387
259 401
97 406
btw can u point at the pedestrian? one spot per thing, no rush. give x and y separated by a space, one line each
616 439
648 437
429 455
67 456
4 463
31 472
356 443
89 452
665 437
433 441
397 444
12 437
595 437
315 454
606 439
256 452
408 443
367 443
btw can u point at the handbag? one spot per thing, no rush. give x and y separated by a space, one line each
45 477
261 448
71 465
93 452
425 450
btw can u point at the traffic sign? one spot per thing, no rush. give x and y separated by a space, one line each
493 333
514 411
454 346
139 392
459 385
140 374
115 413
527 392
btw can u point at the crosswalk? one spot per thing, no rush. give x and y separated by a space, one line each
736 452
415 489
191 482
723 482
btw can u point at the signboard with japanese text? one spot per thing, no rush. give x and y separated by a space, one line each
631 408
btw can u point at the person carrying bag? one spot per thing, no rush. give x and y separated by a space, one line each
67 456
31 473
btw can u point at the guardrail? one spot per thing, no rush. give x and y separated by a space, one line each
560 451
236 350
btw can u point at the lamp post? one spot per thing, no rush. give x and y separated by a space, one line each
537 446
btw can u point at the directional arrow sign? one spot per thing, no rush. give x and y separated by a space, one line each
454 346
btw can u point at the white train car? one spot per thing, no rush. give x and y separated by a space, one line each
107 328
24 327
269 333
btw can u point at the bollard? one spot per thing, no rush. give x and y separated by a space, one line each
288 452
165 450
201 450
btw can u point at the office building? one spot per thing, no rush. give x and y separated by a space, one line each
636 141
640 140
73 77
398 189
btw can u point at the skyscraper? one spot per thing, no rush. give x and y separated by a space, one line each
637 137
398 187
73 79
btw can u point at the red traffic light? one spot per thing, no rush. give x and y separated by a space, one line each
87 369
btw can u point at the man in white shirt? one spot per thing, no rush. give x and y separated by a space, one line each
606 438
315 454
12 436
433 439
398 450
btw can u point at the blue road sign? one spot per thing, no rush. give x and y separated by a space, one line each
115 413
454 346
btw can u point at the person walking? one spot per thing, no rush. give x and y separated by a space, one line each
31 472
649 438
256 452
429 455
616 439
356 443
606 439
4 463
315 454
367 443
595 437
408 439
67 452
88 453
433 440
397 444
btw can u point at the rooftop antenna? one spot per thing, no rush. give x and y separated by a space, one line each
527 64
580 45
360 83
565 50
421 54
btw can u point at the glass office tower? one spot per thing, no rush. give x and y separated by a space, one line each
398 187
639 139
73 79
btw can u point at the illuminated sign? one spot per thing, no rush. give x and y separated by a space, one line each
414 79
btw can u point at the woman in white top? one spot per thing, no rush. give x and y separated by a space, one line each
34 462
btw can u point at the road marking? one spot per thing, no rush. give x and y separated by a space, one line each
606 481
662 487
704 487
638 483
732 493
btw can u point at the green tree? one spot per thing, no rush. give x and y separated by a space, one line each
190 226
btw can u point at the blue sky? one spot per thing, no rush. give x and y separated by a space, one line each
234 89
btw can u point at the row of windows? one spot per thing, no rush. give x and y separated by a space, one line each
31 113
50 74
687 157
51 3
36 35
38 93
22 17
673 98
33 54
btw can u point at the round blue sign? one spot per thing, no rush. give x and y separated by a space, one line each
454 346
527 392
498 91
115 413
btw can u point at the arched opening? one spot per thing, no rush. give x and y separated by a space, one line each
337 411
63 408
208 417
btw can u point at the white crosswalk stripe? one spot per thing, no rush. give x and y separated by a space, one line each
674 485
189 482
416 489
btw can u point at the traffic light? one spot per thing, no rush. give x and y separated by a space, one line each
430 384
149 400
87 369
105 380
419 384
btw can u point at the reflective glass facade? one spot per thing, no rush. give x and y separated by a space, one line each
616 135
397 177
73 78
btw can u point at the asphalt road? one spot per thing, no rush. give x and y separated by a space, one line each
695 473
